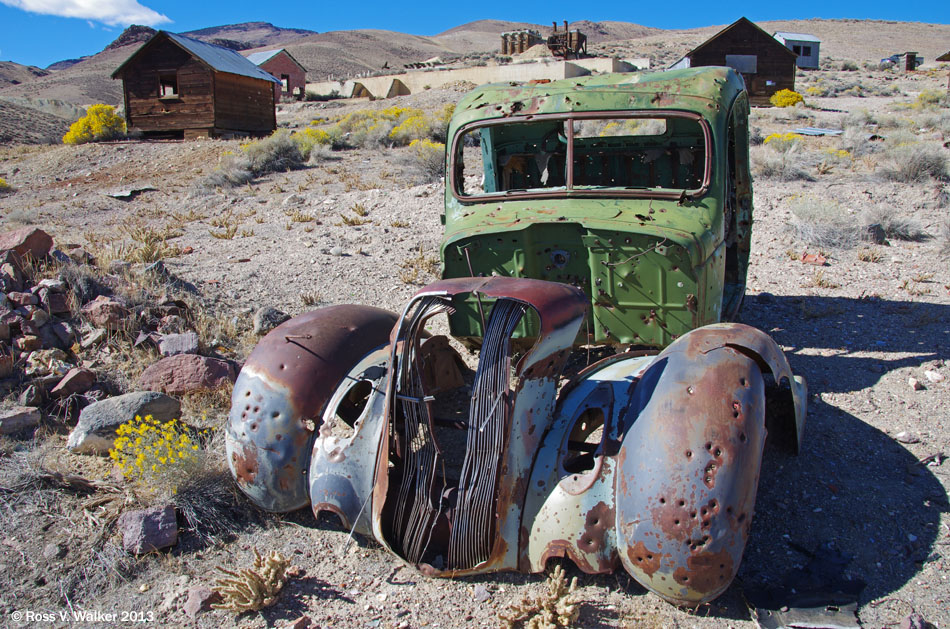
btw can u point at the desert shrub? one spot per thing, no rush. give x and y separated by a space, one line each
895 226
785 98
931 99
787 165
945 238
276 153
823 223
232 170
158 456
367 128
782 142
855 141
314 97
309 138
412 128
100 123
440 124
4 186
915 162
428 158
849 66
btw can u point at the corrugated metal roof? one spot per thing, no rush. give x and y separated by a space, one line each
797 36
257 58
221 59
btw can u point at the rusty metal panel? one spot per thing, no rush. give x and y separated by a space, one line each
280 394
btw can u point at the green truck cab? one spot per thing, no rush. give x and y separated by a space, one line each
634 188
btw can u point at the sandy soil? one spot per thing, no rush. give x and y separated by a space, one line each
857 332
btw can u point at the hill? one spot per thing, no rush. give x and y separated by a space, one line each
15 74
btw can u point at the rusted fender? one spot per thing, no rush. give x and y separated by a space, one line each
281 392
689 462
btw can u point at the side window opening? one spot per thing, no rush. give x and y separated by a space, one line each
285 83
584 441
168 85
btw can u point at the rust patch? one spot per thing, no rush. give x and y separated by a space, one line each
662 99
245 464
599 520
646 560
673 517
705 572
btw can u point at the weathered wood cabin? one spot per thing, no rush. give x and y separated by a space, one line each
945 57
175 86
766 65
282 65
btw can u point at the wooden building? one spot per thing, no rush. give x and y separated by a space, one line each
945 57
282 65
175 86
803 45
766 65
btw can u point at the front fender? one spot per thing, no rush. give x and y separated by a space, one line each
689 462
281 392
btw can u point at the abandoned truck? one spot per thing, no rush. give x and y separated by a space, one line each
609 211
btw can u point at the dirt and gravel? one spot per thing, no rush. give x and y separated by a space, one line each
866 501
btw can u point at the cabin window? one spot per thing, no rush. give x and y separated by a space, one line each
744 64
806 51
168 85
285 83
797 50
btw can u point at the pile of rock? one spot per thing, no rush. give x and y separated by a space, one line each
46 328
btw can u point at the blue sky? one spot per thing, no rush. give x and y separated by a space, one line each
40 32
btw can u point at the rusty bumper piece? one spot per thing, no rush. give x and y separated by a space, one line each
646 461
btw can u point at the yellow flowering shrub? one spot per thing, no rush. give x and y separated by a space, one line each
786 98
429 158
159 455
782 142
412 128
4 186
100 123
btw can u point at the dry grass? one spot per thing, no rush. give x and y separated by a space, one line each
869 255
823 223
820 280
787 165
916 163
417 269
896 226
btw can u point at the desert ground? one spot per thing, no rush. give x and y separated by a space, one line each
862 509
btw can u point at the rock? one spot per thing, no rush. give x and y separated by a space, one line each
4 331
39 318
76 380
174 344
10 277
27 241
60 256
84 286
31 396
185 373
156 270
934 376
915 621
81 256
49 337
907 437
481 593
95 431
148 530
336 251
915 384
22 299
171 324
28 343
303 622
293 199
200 599
64 332
105 312
119 267
96 336
6 365
56 303
54 550
764 298
875 233
268 318
13 420
45 362
52 285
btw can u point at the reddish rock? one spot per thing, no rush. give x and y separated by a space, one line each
303 622
200 599
76 380
18 418
10 277
27 241
6 365
148 530
105 312
4 331
22 299
27 343
185 373
56 303
173 344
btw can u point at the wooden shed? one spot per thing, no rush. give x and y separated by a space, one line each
766 65
175 86
282 65
945 57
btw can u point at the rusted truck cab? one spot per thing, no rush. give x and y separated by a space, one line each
609 210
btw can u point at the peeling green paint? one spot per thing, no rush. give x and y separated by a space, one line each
658 253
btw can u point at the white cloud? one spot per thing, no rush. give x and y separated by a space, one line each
112 12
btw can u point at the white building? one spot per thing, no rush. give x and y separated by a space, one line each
803 45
